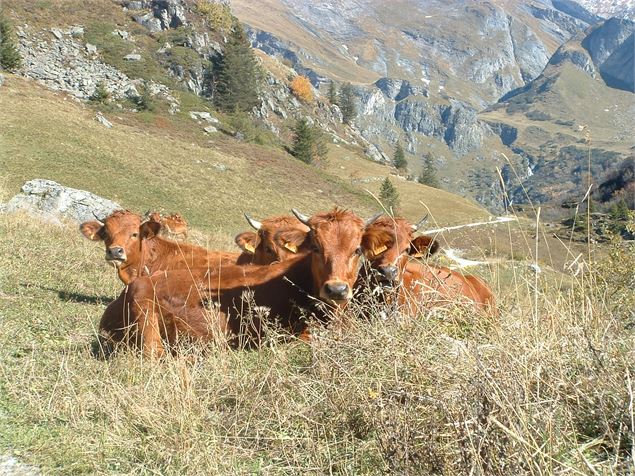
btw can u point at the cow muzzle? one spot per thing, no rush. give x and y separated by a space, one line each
116 255
388 274
337 292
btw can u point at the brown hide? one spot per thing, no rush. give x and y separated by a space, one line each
173 304
135 249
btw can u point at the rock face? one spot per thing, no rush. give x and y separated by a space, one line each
52 201
163 14
63 63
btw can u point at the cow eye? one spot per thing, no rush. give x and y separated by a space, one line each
134 235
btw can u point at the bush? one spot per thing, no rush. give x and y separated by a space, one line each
218 15
302 89
145 101
9 55
101 94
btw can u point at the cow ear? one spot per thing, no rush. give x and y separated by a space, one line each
375 242
423 246
91 230
292 240
246 241
149 229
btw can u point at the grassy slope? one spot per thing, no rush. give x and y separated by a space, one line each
381 397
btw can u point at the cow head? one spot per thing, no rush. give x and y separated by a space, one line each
335 239
267 245
388 243
121 232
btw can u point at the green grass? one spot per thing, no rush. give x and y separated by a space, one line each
536 390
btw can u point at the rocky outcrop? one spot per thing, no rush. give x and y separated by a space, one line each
63 63
163 14
610 46
51 201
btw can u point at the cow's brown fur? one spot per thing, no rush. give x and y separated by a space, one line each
144 251
418 282
265 246
166 305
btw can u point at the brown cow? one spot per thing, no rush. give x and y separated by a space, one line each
390 245
265 245
172 304
172 226
135 248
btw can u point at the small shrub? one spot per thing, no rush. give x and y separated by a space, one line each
302 89
9 55
101 94
145 101
218 15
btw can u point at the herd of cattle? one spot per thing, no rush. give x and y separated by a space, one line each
292 270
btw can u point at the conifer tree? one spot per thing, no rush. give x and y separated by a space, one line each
388 195
237 76
303 141
399 159
428 175
309 144
9 55
347 103
332 94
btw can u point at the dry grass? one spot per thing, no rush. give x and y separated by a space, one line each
543 388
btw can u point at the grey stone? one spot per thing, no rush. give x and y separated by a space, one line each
102 120
57 33
77 31
121 33
1 79
91 49
210 129
132 57
204 115
50 200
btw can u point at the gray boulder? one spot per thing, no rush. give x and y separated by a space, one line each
53 202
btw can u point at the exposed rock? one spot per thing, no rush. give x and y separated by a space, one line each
77 31
1 79
63 65
203 115
132 57
210 129
102 120
122 34
52 201
165 14
57 33
11 466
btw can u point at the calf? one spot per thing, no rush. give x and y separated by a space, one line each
175 303
135 249
172 226
390 247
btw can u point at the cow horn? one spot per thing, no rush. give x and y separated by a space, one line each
419 223
98 219
373 218
303 218
254 223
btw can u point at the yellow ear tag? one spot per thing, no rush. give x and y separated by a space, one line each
379 249
291 247
249 247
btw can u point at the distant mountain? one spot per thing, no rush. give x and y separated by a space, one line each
430 74
610 8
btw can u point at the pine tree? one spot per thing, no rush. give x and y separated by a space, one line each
389 196
237 75
428 175
303 141
9 55
309 144
100 94
347 103
332 93
399 159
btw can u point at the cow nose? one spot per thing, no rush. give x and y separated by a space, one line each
388 272
116 252
336 290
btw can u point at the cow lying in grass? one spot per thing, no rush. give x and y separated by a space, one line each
135 249
390 247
